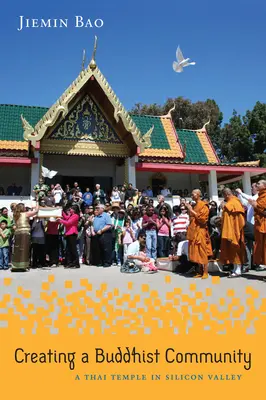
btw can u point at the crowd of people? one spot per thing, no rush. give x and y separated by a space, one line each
127 229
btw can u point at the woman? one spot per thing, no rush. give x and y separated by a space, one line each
163 226
20 259
89 233
136 221
70 221
38 243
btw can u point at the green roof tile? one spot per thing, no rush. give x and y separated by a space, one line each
10 122
194 150
158 137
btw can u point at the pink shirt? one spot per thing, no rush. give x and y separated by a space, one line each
164 230
71 224
127 239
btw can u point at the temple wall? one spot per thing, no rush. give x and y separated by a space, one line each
179 181
15 174
80 165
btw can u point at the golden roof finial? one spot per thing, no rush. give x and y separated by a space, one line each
206 123
93 63
83 60
169 115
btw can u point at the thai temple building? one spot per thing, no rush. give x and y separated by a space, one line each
89 137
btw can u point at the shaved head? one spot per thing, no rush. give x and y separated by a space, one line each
261 185
196 194
227 192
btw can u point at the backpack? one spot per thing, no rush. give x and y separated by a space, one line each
129 267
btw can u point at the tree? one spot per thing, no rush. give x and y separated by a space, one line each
235 142
256 122
187 115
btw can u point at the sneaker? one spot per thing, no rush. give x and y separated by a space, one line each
259 268
234 275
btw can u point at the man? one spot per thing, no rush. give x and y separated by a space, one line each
165 192
102 225
260 224
13 190
233 249
40 190
149 224
130 192
199 247
244 198
108 209
98 195
49 199
136 253
136 247
161 203
87 198
149 192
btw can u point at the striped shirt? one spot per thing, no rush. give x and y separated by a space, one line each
180 223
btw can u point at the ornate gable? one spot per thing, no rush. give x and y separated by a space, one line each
84 131
92 81
86 122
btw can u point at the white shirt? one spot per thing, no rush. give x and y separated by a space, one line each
58 193
182 248
133 249
243 197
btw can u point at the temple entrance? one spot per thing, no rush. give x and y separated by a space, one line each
158 182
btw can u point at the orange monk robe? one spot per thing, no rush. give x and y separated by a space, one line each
259 256
233 249
199 248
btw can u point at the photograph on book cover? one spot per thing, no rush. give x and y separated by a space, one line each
132 199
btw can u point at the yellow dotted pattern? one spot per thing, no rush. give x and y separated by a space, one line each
94 310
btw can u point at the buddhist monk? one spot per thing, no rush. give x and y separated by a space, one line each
199 247
233 249
259 205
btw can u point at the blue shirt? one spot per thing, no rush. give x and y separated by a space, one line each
100 221
87 198
149 193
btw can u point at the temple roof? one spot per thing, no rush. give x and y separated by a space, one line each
164 140
11 129
168 145
199 148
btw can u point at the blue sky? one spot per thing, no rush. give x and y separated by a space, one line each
136 48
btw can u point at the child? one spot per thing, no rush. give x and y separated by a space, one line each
128 236
5 234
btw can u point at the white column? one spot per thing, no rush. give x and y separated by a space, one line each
130 166
246 181
35 172
213 189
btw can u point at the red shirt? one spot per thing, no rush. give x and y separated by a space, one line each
52 227
150 226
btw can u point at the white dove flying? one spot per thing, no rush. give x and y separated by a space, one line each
46 173
181 61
